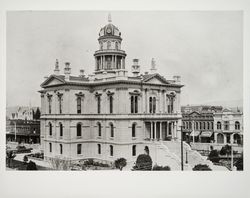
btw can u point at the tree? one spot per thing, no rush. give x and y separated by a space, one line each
120 163
10 155
225 150
161 168
201 167
143 162
214 156
31 166
37 114
25 159
239 163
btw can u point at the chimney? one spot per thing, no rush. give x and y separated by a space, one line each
153 66
177 79
81 73
135 67
67 71
56 70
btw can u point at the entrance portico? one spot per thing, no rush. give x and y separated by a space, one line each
160 130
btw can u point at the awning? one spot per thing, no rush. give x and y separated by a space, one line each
206 133
195 133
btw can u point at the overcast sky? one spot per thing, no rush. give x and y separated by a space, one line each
204 48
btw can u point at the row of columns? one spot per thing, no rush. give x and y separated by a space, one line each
102 63
170 129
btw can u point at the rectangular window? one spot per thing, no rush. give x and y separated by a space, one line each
110 104
98 104
99 149
79 109
50 101
111 150
79 149
50 147
136 104
226 125
60 104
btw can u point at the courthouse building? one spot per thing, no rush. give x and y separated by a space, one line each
108 114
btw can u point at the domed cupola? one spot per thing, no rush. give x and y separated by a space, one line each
109 58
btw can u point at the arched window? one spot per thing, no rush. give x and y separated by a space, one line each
99 148
108 45
133 129
50 147
200 125
212 125
197 125
111 130
111 104
204 125
61 129
61 149
237 125
111 150
79 149
154 104
134 150
208 125
150 105
220 138
79 105
116 45
146 149
78 130
190 125
99 129
50 129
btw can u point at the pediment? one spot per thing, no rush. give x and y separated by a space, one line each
53 80
156 79
194 114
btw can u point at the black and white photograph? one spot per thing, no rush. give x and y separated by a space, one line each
163 92
125 93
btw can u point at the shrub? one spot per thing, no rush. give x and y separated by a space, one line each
161 168
201 167
120 163
31 166
214 156
239 163
25 159
143 162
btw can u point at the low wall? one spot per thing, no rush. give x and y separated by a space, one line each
207 147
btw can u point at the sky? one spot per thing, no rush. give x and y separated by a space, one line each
204 47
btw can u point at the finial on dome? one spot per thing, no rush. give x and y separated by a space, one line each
109 18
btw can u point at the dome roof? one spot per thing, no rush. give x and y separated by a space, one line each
109 30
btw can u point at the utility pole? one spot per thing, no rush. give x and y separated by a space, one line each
181 149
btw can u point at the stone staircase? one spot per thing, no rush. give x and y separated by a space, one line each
193 157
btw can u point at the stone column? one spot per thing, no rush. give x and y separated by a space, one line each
112 62
232 138
151 130
101 67
160 130
172 129
115 62
155 123
167 125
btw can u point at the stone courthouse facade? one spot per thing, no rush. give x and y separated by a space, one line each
109 114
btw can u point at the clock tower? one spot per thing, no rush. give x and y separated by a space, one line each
110 59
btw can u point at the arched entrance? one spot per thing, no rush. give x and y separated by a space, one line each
146 149
220 138
237 138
